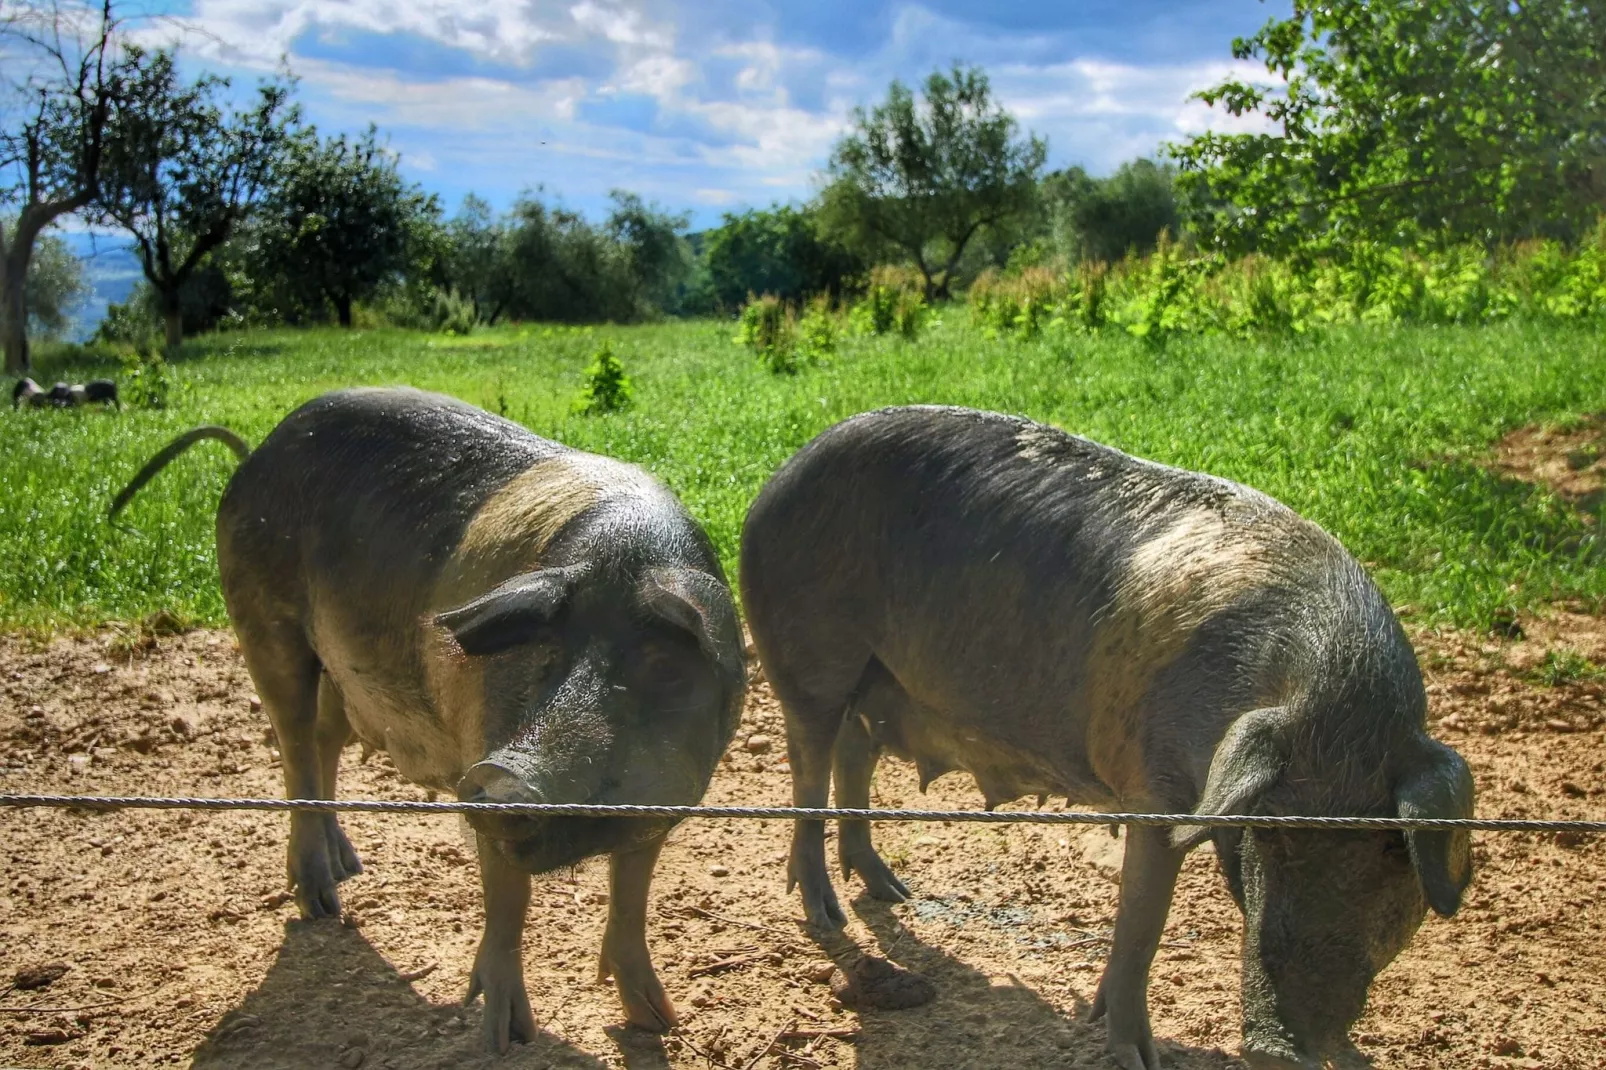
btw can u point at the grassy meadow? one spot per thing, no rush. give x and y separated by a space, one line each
1375 432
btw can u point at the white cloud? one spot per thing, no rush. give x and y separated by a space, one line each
740 116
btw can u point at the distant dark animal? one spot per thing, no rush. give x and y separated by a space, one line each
102 390
510 619
61 396
980 592
27 390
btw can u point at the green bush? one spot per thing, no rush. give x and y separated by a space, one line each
607 387
148 381
769 328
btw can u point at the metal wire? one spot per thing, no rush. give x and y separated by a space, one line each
792 813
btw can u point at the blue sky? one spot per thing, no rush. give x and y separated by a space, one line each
714 105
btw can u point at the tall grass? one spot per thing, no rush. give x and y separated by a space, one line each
1375 432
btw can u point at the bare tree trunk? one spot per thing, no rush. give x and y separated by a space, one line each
172 321
343 310
14 316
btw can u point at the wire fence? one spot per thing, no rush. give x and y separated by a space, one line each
793 813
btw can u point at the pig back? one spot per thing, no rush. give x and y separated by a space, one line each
361 496
1083 608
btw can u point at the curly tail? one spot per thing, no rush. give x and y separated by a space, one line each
172 450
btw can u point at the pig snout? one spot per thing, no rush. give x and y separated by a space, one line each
496 780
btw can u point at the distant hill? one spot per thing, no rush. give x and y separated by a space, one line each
112 269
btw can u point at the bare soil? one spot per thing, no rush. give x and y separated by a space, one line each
181 946
1570 461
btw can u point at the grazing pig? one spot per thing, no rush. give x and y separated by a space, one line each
510 619
980 592
61 396
102 390
26 390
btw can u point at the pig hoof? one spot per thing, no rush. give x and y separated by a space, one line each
507 1006
1130 1043
879 880
342 858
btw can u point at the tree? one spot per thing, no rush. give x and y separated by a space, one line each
656 256
477 260
1409 120
56 286
564 269
918 180
778 251
181 173
1105 218
340 220
53 139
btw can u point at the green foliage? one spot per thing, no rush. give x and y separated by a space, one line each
55 286
768 327
1104 219
894 302
1374 431
1174 292
340 222
780 251
607 387
916 181
181 173
1564 667
426 307
476 262
147 380
818 331
1401 120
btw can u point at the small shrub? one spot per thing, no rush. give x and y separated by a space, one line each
148 381
607 387
817 331
769 328
894 301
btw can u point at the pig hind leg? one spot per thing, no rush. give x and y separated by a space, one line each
286 672
333 733
855 756
813 700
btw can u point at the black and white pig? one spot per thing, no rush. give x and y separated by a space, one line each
980 592
509 619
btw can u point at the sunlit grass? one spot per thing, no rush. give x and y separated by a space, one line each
1374 433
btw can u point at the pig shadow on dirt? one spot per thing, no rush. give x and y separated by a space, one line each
329 994
975 1022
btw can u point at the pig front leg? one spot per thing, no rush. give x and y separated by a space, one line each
1148 877
499 963
624 943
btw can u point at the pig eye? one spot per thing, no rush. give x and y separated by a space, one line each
661 670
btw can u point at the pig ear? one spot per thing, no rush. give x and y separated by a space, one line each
701 605
1248 762
1436 782
511 613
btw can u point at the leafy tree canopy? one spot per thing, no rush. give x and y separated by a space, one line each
1408 120
918 179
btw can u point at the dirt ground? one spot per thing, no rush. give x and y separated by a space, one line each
181 946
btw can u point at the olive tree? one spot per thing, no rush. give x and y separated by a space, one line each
183 171
63 70
917 179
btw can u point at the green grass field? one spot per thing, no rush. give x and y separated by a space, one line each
1374 433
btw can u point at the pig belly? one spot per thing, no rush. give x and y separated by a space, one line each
400 724
940 740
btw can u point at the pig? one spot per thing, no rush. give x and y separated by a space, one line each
61 396
26 390
102 390
510 619
979 592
